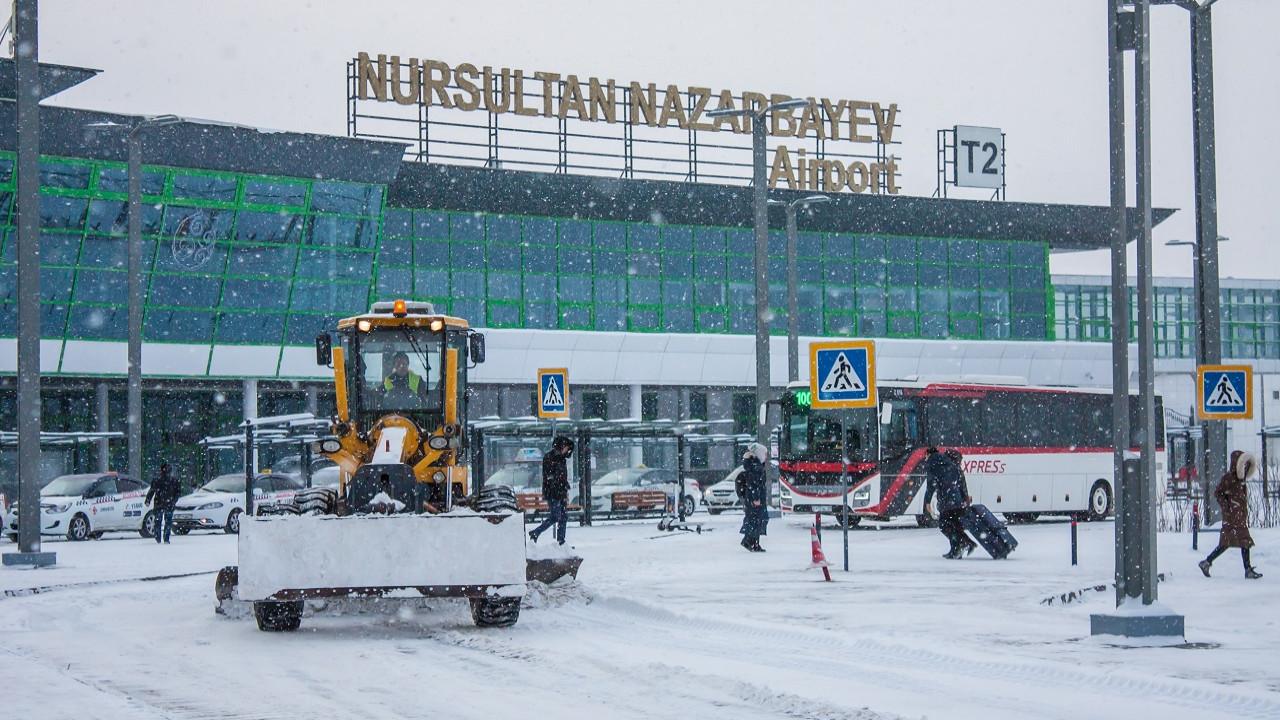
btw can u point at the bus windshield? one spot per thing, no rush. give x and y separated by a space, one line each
815 434
398 370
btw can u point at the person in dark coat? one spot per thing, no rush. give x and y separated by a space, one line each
163 497
755 496
946 481
1233 497
555 488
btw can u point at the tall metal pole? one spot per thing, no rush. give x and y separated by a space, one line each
135 304
1119 269
1206 197
1142 563
27 75
793 320
760 207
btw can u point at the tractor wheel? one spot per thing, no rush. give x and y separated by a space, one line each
278 616
495 612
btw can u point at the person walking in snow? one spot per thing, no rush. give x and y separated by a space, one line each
755 496
555 488
1233 496
164 492
945 479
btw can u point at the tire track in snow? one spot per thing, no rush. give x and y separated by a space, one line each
1180 694
656 680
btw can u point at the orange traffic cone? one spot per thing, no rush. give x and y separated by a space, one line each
819 559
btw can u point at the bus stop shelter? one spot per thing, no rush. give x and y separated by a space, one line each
597 440
275 432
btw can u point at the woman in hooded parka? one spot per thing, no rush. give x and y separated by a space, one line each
755 496
1233 496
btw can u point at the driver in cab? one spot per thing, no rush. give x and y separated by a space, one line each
403 386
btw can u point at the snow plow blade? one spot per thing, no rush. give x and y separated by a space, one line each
461 554
550 570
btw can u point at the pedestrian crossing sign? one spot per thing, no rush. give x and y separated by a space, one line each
842 374
1226 392
553 393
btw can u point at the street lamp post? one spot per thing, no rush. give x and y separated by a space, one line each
1208 303
793 321
760 212
134 391
1202 354
27 120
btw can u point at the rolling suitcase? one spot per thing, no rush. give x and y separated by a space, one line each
987 529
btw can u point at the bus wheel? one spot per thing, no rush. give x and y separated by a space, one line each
854 520
1099 502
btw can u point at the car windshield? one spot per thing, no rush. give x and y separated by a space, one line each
74 485
517 475
225 483
399 370
625 476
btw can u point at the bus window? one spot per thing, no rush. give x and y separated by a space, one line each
902 432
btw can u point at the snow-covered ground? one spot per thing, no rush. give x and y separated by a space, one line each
661 625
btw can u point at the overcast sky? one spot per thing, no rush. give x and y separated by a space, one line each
1036 68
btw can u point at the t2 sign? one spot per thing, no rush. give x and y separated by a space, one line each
979 157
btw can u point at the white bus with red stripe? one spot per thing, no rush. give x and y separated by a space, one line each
1028 451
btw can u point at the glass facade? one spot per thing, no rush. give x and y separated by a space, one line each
246 259
538 272
231 259
1250 319
249 259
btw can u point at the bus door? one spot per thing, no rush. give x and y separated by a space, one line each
900 438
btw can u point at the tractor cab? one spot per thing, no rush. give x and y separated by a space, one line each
400 375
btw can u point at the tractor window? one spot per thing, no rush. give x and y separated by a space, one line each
400 370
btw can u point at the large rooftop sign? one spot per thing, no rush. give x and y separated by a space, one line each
504 117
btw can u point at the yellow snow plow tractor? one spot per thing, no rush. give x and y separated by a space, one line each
405 518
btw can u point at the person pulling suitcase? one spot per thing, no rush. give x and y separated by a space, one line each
946 481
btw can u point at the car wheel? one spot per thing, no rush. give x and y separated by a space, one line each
495 612
13 537
233 523
181 530
78 528
1099 502
714 511
278 616
148 528
688 506
96 535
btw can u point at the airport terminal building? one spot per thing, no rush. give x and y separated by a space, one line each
256 241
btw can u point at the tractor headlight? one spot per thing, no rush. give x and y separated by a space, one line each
438 442
329 445
437 476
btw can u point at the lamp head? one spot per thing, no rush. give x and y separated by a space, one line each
788 104
727 112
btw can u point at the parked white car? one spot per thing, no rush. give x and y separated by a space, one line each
642 490
724 495
85 506
220 503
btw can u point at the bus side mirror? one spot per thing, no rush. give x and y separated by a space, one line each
886 413
475 348
324 349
